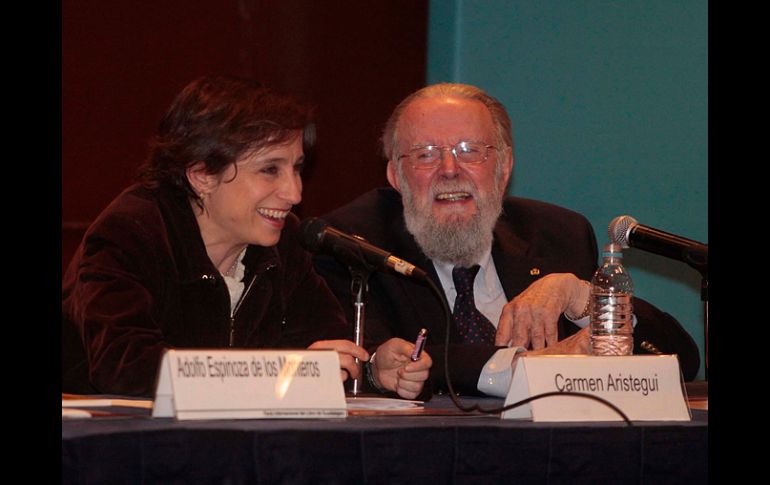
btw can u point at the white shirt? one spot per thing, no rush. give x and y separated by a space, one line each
234 283
490 299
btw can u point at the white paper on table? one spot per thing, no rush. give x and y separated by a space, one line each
381 403
74 413
106 402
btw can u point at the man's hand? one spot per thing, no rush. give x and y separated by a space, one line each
394 370
575 344
348 352
531 318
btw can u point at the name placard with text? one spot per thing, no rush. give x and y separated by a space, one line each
645 388
249 384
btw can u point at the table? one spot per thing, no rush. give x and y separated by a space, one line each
446 447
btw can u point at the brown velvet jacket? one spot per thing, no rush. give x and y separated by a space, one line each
141 281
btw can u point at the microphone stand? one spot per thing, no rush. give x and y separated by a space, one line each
359 287
360 271
699 261
704 296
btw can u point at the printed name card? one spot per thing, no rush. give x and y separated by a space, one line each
645 388
249 384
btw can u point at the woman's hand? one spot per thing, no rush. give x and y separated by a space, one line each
348 353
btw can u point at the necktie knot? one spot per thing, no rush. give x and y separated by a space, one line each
464 277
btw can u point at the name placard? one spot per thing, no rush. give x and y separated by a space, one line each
645 388
249 384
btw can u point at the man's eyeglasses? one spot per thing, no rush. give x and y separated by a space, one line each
465 152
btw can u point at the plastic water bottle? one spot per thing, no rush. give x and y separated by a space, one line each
611 308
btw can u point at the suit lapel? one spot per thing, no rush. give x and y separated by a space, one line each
419 297
515 267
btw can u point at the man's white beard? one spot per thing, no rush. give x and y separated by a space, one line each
453 240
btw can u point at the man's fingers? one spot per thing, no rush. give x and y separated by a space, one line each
503 334
551 334
416 376
409 389
409 386
520 334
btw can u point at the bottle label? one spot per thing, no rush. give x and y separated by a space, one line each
612 324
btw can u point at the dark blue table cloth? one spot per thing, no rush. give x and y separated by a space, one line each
432 449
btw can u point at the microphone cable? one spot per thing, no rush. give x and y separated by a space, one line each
355 259
475 407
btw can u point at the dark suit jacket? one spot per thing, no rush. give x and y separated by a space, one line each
531 240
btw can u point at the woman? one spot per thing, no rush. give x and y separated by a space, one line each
203 252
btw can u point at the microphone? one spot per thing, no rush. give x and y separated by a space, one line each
626 231
318 236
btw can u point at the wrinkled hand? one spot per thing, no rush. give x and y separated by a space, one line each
531 319
575 344
348 352
395 371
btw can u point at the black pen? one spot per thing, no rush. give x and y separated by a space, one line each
419 344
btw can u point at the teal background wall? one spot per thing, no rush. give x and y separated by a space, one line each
609 103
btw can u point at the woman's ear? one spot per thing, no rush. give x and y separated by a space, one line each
201 181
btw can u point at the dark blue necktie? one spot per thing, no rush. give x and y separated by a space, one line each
472 326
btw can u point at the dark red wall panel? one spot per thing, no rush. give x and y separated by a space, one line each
122 63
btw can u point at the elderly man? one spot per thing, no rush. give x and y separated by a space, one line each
515 271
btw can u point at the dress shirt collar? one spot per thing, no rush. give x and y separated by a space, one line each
486 276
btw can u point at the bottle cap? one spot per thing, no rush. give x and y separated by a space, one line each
612 250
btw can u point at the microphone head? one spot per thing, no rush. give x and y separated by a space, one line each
311 233
619 229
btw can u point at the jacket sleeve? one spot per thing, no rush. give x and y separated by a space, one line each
665 334
108 300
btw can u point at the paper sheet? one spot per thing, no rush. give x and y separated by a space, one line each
74 414
381 403
105 403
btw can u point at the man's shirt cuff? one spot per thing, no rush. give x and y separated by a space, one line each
495 378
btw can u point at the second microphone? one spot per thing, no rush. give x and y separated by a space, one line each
318 236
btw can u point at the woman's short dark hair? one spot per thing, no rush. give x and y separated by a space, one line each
216 120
